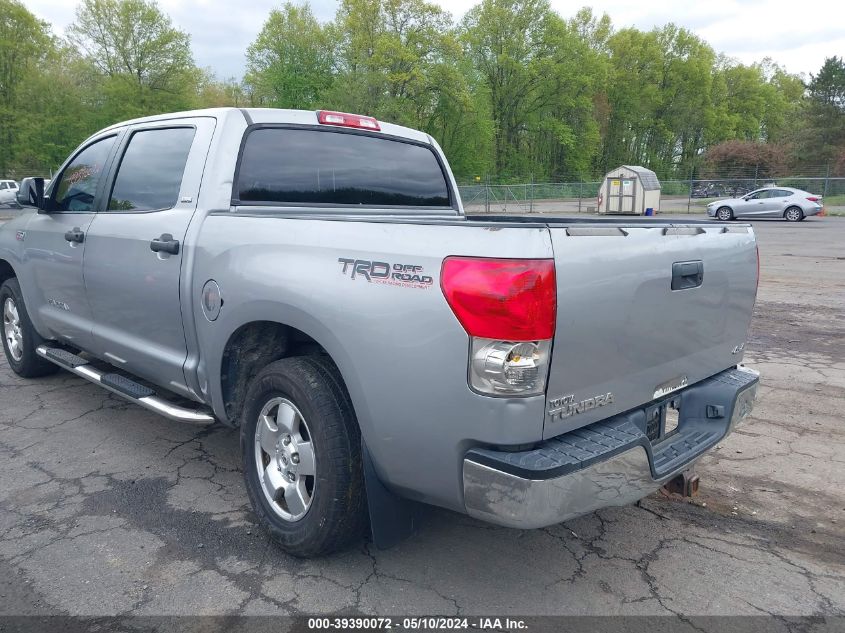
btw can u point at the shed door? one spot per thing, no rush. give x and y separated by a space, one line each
621 195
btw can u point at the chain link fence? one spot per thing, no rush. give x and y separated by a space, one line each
677 196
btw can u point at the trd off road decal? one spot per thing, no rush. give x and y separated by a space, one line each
405 275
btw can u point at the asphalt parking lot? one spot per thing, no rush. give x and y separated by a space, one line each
106 509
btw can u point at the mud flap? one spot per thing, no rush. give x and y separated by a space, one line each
392 518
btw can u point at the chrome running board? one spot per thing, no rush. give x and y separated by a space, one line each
125 387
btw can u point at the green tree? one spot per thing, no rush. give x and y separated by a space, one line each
633 97
594 31
459 118
145 63
61 110
399 60
564 136
823 131
392 57
740 102
784 95
660 97
685 100
289 65
25 43
828 86
212 93
514 89
508 41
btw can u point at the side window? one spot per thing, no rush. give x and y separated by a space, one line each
2 185
295 166
150 173
783 193
77 186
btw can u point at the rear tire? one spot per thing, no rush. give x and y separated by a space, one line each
793 214
302 460
19 336
725 214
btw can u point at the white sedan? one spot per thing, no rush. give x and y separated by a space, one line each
8 189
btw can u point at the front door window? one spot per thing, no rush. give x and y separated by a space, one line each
78 183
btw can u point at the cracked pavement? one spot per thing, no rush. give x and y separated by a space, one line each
106 509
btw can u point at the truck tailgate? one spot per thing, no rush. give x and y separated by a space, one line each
624 336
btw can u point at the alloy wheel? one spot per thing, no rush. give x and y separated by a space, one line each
12 329
285 460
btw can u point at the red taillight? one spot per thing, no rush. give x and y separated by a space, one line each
345 119
502 299
813 198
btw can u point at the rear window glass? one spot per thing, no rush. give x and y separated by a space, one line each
314 167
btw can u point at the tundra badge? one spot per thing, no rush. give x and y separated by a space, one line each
560 408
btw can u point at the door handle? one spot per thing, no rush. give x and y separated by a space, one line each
75 235
687 275
165 244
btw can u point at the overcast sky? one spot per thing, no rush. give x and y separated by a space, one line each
797 35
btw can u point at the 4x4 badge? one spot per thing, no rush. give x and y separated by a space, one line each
20 236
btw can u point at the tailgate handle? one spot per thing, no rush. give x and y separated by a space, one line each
687 275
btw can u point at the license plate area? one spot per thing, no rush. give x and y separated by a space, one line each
663 419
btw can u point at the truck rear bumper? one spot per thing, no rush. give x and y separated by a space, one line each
609 463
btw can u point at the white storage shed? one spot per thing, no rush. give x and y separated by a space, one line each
629 189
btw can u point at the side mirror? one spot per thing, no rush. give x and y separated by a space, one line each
31 193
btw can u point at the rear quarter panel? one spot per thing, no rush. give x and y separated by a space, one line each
400 349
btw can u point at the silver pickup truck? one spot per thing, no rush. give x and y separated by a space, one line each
312 278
